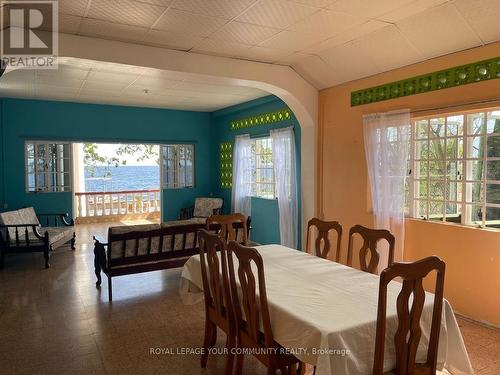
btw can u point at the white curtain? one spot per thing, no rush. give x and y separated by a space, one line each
387 145
242 176
286 184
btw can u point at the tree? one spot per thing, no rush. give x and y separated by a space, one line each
92 159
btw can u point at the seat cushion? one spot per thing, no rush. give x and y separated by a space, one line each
204 207
28 216
10 218
57 233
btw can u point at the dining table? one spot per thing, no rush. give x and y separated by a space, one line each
325 313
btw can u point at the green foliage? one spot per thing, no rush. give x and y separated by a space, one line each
92 158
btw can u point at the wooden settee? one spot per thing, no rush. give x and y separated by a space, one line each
151 247
22 232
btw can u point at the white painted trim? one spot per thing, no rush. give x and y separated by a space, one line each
282 81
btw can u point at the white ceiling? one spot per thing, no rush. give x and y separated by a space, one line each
97 82
327 42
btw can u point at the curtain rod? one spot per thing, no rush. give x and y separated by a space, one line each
489 101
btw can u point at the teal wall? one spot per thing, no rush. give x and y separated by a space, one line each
49 120
34 119
265 216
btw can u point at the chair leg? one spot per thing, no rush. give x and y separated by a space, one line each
73 240
110 289
230 344
46 256
239 364
2 258
271 370
209 340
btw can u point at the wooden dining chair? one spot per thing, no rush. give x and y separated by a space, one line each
230 227
322 243
371 238
252 313
216 289
408 332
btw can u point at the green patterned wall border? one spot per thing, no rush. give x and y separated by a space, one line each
262 119
226 165
452 77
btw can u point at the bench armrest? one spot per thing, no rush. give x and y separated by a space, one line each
55 218
18 237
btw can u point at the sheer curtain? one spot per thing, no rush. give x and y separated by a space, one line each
242 176
286 184
387 146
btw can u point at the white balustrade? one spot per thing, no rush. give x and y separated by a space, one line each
114 203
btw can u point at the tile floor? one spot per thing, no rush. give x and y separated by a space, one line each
56 322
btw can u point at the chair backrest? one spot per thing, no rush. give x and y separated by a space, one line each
205 207
408 333
214 273
230 226
370 237
322 243
251 310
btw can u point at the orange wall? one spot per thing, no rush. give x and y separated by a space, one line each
472 255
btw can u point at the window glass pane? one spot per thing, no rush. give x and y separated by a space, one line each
493 122
422 150
453 212
475 169
435 210
437 128
437 149
493 193
493 146
178 166
30 150
454 148
475 147
493 170
421 188
421 128
454 170
421 169
454 191
454 125
474 192
436 190
475 124
437 169
48 167
421 208
493 217
474 214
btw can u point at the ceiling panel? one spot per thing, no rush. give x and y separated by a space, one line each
438 31
315 3
217 8
408 10
246 33
326 23
483 16
279 14
291 41
127 12
316 71
264 54
368 9
220 48
192 24
171 40
69 24
113 30
74 7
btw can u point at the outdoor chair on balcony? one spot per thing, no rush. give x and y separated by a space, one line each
21 232
203 208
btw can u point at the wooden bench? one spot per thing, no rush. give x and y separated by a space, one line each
144 248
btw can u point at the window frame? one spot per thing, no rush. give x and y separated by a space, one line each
253 171
176 160
69 172
466 182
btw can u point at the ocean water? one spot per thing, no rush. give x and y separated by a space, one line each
123 177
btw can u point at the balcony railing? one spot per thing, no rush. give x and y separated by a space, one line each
109 204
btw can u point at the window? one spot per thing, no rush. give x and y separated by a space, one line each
455 169
261 165
48 166
178 166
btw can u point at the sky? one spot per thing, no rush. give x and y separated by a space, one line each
109 150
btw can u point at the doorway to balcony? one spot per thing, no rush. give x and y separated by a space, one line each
116 182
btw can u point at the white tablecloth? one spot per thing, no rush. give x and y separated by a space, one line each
326 312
